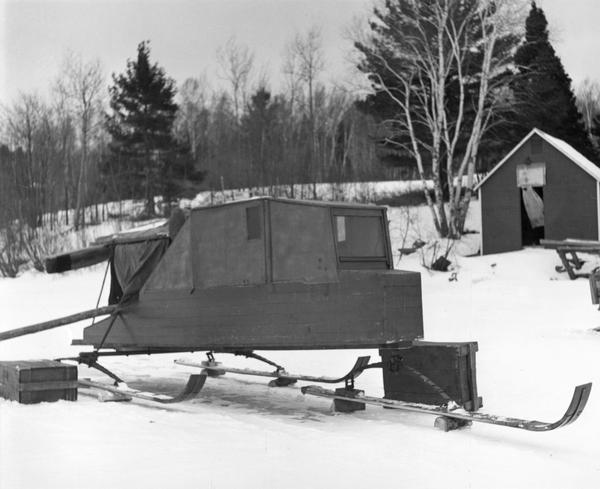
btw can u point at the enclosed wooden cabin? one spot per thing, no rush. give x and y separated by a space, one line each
263 274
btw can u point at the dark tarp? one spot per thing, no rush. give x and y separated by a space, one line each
131 265
136 254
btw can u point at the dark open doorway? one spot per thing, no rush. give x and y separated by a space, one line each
532 215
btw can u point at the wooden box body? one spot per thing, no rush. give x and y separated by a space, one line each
33 381
432 373
268 274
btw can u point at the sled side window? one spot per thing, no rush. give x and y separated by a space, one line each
253 224
360 240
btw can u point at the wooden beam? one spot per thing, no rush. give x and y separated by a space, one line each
55 323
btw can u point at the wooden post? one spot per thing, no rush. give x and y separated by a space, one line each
55 323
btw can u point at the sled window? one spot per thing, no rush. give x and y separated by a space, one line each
253 226
340 225
361 240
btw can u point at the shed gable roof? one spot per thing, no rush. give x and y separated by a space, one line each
565 148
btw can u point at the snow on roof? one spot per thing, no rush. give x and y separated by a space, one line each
319 203
565 148
156 229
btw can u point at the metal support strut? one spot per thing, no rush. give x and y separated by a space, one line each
91 360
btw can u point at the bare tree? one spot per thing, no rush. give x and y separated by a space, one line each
235 66
23 121
588 103
80 83
67 136
415 52
192 116
305 58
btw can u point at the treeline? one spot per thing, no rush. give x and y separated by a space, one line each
441 110
278 141
56 154
61 157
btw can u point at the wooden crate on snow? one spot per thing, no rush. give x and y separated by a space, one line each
432 373
33 381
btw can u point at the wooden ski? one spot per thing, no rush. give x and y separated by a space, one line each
193 386
576 407
360 364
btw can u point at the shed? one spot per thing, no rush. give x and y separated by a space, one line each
543 189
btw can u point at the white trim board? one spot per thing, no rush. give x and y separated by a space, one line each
598 207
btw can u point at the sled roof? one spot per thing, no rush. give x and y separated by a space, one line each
313 203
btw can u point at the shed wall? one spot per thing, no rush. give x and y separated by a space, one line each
501 208
570 200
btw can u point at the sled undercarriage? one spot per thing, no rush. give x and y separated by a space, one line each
450 416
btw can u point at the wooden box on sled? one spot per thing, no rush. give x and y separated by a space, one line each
432 373
33 381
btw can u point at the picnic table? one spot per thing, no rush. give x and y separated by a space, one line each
567 250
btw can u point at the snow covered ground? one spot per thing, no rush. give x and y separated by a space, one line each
536 337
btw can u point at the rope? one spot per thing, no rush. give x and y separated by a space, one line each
101 290
114 314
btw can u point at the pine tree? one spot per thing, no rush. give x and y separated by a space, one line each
595 130
542 89
140 122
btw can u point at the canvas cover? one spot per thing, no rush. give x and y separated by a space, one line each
131 265
136 254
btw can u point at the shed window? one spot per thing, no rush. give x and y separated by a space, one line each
531 175
360 238
253 224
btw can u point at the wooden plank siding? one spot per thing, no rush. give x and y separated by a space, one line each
570 205
364 309
302 244
501 208
222 253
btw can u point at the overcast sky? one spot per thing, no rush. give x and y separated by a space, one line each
184 35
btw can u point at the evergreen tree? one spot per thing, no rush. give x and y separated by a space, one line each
595 130
542 89
140 122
